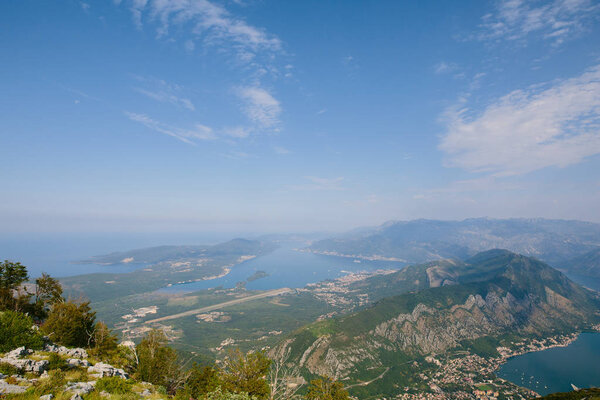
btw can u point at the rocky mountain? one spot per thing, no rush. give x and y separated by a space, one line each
553 241
445 305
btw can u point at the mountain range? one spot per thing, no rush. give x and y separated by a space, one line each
493 298
554 241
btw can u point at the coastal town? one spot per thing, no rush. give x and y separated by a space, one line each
464 375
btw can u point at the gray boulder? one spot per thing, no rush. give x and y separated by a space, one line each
76 352
27 365
47 397
107 370
81 387
76 362
18 352
7 388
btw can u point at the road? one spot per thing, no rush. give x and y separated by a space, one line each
269 293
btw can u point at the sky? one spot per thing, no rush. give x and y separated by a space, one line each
282 116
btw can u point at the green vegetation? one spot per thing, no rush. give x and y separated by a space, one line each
113 385
326 388
245 373
156 362
167 265
71 324
12 275
7 369
16 331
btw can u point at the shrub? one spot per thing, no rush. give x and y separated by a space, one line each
246 373
218 394
16 330
56 362
54 384
113 385
105 342
71 324
7 369
326 388
157 362
201 380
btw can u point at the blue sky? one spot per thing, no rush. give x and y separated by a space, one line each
260 115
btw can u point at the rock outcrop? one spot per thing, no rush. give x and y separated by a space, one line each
103 370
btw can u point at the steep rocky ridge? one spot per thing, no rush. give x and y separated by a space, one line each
444 304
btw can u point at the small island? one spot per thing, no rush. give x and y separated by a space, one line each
257 275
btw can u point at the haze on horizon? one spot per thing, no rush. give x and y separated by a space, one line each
265 116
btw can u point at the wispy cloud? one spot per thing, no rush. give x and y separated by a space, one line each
444 67
206 20
160 90
318 183
552 20
281 150
260 106
557 124
237 132
189 136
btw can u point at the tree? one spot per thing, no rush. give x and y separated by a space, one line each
48 290
12 275
200 381
246 373
326 388
157 362
16 330
71 324
105 342
283 377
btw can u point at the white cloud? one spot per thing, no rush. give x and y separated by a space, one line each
189 136
206 19
260 106
527 130
165 92
555 20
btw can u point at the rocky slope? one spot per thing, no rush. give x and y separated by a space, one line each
495 293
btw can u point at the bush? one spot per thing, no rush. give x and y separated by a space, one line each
16 330
7 369
113 385
54 384
157 362
71 324
56 362
246 373
201 380
220 395
105 342
326 388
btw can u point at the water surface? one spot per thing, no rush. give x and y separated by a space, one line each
555 369
287 267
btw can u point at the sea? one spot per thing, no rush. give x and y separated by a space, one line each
557 369
288 267
58 255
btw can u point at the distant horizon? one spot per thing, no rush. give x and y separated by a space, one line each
253 233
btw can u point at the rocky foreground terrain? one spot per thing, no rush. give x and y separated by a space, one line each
65 373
